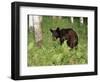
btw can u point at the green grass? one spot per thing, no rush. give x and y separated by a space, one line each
51 52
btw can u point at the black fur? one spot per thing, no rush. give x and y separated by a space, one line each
66 34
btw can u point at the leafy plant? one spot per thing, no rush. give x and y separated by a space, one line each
51 52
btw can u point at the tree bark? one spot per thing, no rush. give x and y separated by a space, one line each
81 20
72 19
37 20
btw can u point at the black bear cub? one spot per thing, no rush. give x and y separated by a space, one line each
67 34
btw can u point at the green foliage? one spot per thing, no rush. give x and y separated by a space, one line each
51 52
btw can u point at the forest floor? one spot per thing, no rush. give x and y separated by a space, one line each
52 53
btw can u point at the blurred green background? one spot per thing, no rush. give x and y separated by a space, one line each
52 53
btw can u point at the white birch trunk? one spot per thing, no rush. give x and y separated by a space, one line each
81 20
72 19
37 20
30 23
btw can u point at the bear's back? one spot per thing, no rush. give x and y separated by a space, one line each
69 34
65 31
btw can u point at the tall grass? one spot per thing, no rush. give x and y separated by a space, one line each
51 52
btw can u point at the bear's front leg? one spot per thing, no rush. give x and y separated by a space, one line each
61 41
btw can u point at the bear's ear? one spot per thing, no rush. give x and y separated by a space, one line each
51 30
57 29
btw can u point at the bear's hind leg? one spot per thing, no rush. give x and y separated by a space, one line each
70 44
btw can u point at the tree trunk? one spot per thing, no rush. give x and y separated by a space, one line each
30 23
81 20
72 19
37 20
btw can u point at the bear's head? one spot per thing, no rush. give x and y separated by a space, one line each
55 33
